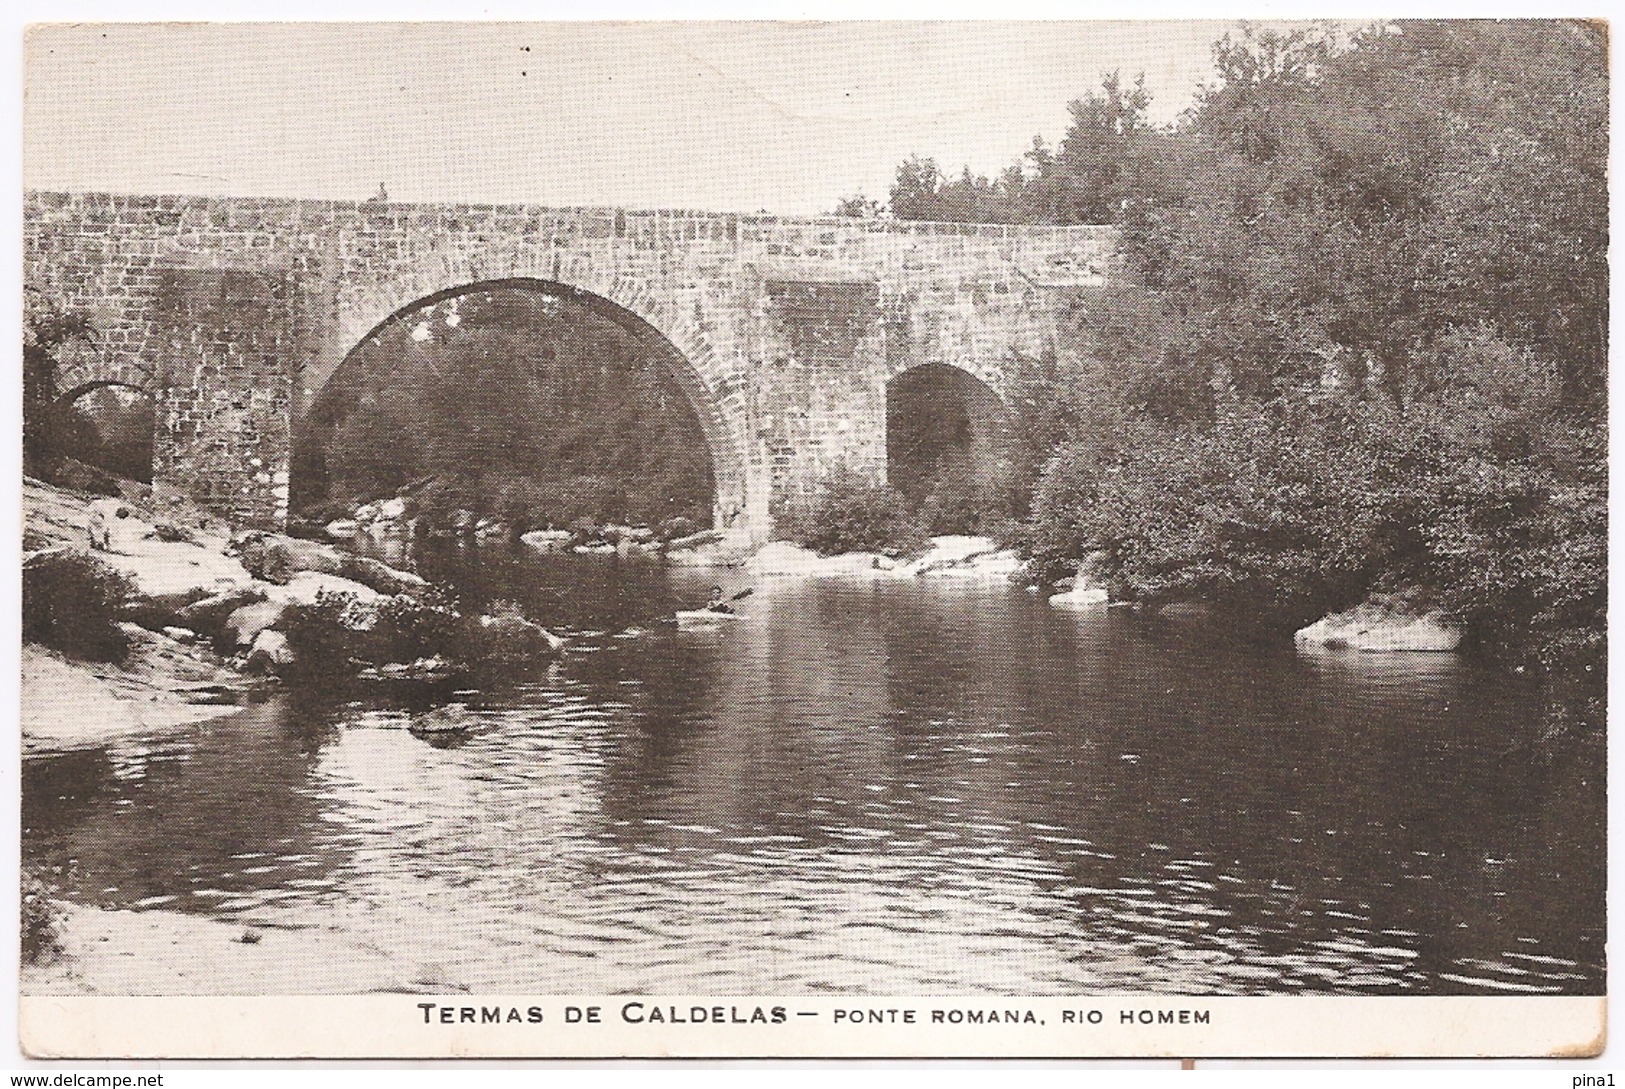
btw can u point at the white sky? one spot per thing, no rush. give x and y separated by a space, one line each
785 117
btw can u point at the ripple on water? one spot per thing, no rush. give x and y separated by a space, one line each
859 792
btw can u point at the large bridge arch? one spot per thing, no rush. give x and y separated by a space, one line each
729 470
364 303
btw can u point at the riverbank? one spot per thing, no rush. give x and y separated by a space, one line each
157 952
74 705
948 557
193 613
188 584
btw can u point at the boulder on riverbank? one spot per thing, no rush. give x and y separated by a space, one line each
952 556
237 614
1382 625
1087 589
276 558
964 557
707 548
512 635
1081 597
270 651
781 558
547 540
247 622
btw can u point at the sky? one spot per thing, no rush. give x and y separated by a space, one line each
783 117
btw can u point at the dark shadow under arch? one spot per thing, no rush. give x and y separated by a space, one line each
125 449
935 413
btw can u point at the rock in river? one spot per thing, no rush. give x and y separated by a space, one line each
1375 627
1081 597
269 651
247 622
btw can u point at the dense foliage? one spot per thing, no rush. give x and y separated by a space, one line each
514 403
71 603
849 512
1358 341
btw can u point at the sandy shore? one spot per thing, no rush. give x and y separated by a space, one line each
74 705
167 953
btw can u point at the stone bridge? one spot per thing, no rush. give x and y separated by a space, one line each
784 333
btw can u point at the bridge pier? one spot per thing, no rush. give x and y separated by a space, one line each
225 397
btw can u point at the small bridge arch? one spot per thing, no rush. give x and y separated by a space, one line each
944 418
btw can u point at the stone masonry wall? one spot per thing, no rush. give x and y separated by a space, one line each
789 328
223 428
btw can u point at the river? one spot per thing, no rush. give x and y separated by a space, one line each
898 788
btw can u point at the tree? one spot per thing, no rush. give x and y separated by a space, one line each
1360 342
48 328
1098 167
857 206
516 403
922 192
1106 156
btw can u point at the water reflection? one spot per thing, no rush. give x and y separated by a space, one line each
873 789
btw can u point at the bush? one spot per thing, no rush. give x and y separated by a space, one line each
71 603
323 636
409 628
1285 510
41 922
850 513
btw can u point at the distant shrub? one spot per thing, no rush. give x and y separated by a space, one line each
71 603
850 513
